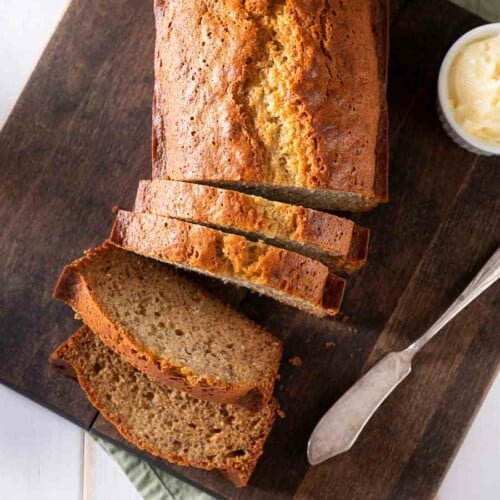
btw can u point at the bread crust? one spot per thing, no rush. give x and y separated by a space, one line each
209 57
73 290
239 474
335 241
291 278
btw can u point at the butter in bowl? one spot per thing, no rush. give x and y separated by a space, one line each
469 91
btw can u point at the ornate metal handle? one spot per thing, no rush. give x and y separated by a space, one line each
488 274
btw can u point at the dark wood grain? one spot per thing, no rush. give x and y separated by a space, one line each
75 144
78 141
395 6
420 440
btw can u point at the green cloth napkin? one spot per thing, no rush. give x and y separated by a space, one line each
487 9
155 484
152 483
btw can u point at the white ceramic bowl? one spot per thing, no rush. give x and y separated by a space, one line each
452 127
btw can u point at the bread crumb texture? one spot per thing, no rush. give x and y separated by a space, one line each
167 422
170 327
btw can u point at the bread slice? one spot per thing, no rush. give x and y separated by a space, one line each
286 276
335 241
170 328
281 99
166 422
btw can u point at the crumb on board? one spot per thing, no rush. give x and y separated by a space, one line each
281 413
351 355
329 345
115 209
352 329
295 361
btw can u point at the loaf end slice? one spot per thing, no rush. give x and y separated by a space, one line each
171 328
165 422
337 242
286 276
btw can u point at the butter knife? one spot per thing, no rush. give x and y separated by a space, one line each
341 425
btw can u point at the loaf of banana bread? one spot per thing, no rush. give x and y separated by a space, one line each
285 99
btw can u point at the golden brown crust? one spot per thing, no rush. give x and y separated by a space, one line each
380 22
73 289
358 251
335 241
60 364
239 474
287 276
227 113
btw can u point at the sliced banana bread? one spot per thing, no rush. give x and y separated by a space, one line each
170 328
281 99
286 276
166 422
335 241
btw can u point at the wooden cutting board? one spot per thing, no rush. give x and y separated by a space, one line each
78 141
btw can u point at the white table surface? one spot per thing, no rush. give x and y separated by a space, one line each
44 457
